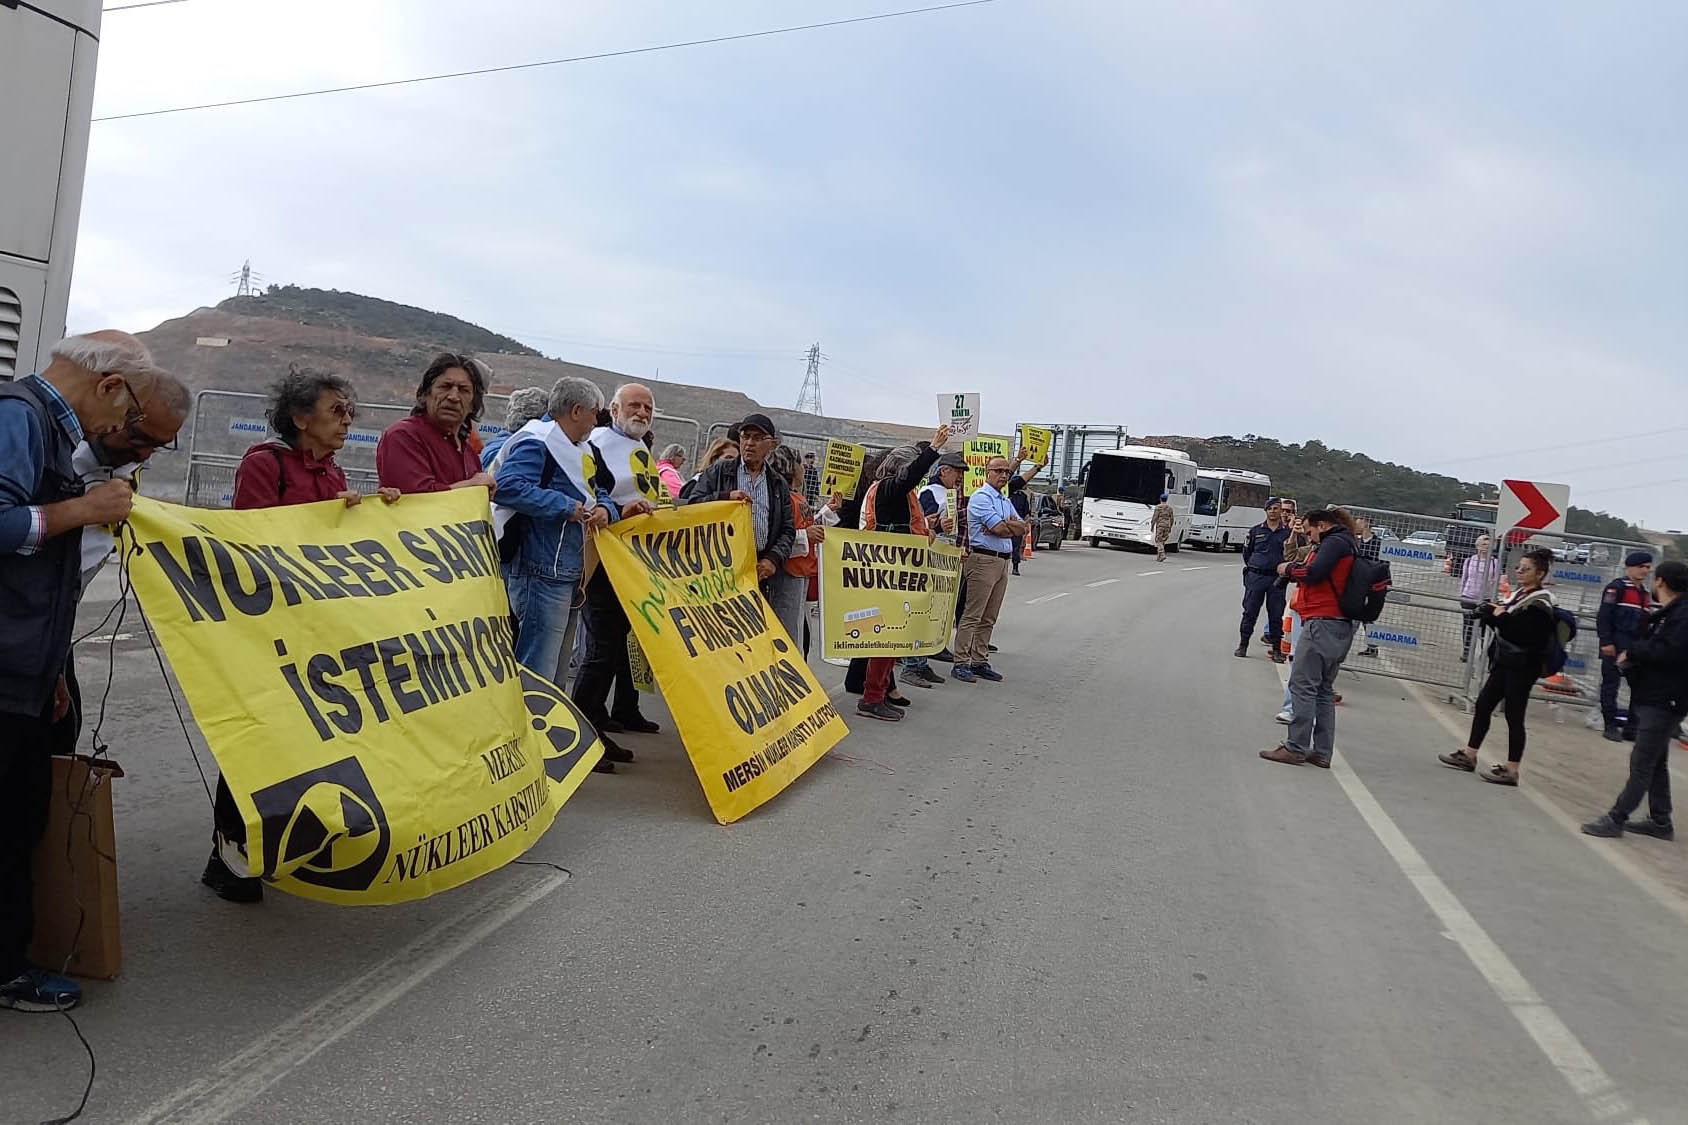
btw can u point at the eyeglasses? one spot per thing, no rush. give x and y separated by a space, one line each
139 439
344 410
134 416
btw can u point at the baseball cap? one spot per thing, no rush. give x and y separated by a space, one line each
758 422
1278 500
952 461
1638 558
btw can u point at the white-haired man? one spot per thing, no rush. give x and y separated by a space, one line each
547 503
95 385
625 470
523 406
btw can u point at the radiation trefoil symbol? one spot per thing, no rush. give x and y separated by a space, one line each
567 733
325 827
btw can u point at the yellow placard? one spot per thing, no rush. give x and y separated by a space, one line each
842 469
353 673
979 452
751 713
886 595
1036 441
644 680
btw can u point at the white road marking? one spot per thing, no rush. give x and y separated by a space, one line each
107 638
1149 573
1612 851
1188 569
1047 598
1104 582
232 1084
1599 1094
1562 1048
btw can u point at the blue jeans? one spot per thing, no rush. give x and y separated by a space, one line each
545 610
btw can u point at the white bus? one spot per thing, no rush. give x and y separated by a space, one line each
47 54
1122 486
1227 503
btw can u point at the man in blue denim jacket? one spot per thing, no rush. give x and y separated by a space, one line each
550 506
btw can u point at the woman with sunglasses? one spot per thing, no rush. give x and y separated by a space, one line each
312 412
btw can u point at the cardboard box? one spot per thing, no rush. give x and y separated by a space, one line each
76 915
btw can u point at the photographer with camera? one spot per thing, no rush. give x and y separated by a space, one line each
1524 626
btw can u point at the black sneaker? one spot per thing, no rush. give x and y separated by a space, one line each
1242 650
1604 827
944 656
924 676
1369 650
1612 733
603 765
615 751
1651 828
37 990
229 886
637 724
881 711
990 648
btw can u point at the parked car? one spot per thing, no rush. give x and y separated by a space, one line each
1429 540
1049 525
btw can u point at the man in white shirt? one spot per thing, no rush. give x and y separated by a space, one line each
994 531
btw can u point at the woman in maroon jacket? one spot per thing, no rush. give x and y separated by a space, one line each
312 412
431 451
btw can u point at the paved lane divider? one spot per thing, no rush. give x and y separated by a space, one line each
1104 582
1587 1079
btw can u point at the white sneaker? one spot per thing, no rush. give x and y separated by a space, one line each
1284 717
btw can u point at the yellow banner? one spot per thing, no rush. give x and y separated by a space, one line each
979 452
886 595
1037 442
751 713
352 671
842 470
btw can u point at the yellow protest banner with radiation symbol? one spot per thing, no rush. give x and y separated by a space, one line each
353 673
842 470
1036 441
751 713
886 595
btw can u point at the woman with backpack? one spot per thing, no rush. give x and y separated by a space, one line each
1525 625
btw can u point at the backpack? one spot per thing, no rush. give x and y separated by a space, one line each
510 541
1362 599
1558 644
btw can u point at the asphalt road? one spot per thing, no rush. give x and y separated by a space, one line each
1074 896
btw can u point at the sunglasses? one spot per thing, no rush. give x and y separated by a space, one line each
134 416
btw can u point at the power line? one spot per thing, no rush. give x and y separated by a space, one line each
1558 446
553 62
698 351
146 4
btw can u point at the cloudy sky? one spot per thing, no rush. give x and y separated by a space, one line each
1447 234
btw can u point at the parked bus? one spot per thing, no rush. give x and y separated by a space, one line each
1122 486
1227 503
47 54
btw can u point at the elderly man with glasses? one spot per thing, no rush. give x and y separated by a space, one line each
95 386
995 531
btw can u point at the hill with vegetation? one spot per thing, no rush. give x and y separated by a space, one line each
371 316
1316 474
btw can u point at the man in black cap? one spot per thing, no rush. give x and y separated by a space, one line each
1623 607
745 478
1263 552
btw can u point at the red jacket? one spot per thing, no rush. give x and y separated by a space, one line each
413 456
1323 576
273 474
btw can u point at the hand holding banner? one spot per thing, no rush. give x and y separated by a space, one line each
751 713
1036 441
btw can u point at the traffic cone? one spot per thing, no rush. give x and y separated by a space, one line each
1027 553
1559 684
1285 645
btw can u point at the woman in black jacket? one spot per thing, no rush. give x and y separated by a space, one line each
1524 626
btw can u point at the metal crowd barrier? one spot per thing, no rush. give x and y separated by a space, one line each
227 423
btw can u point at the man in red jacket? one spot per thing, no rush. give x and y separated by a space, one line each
1326 637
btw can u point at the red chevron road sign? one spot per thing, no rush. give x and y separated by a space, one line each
1533 506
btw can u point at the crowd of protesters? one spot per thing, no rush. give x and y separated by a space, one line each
75 438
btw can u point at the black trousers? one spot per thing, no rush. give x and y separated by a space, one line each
606 650
1510 685
1610 679
26 789
1649 765
1272 598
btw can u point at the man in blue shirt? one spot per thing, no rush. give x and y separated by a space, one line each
95 385
995 529
1263 551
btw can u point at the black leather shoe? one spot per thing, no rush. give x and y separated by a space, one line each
638 724
611 726
229 886
1242 650
615 752
604 765
1650 828
944 656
